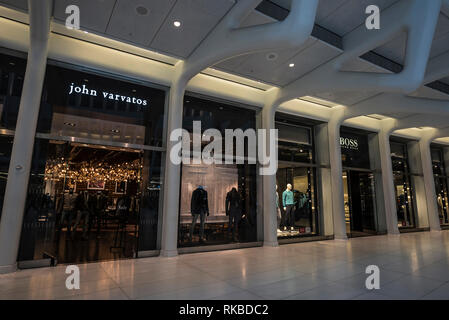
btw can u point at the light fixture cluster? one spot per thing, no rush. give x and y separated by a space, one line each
59 169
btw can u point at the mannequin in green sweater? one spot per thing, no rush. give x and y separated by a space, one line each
288 201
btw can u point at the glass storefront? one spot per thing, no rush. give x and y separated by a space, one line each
405 205
12 72
358 184
218 202
297 211
95 183
441 183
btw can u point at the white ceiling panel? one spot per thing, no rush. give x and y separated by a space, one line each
398 115
138 21
442 26
426 92
326 8
256 18
395 49
16 4
347 98
259 66
440 46
233 63
94 14
356 65
441 40
305 61
198 18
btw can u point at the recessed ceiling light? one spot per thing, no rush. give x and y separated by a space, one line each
177 24
291 65
142 10
271 56
115 130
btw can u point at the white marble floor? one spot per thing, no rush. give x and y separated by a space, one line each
412 266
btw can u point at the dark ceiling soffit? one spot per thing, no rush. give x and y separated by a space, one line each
279 13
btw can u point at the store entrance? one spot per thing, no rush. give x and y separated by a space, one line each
359 203
88 200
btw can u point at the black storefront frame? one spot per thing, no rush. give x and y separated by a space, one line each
308 124
113 76
408 178
443 181
8 133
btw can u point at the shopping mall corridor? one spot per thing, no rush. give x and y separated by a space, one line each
412 266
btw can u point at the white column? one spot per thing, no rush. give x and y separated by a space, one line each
22 150
429 184
269 185
324 179
169 242
387 181
414 157
338 205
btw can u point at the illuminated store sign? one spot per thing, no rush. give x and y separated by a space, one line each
74 89
348 143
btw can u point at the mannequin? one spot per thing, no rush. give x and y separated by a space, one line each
82 212
289 205
234 211
278 210
68 207
199 207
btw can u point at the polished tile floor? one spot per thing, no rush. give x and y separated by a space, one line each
412 266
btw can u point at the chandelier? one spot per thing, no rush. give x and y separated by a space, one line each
60 169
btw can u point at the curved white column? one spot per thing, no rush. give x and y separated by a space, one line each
338 205
429 183
169 246
388 178
269 184
22 151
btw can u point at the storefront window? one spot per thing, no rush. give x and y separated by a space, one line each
441 184
95 183
12 73
217 201
402 184
297 212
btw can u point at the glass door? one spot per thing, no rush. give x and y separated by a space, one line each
359 199
367 202
442 199
83 203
